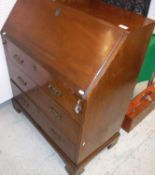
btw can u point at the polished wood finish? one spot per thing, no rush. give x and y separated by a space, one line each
102 11
67 97
73 68
53 111
71 168
49 127
139 108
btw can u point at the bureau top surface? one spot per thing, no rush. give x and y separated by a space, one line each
75 43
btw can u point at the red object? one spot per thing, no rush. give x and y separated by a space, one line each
139 108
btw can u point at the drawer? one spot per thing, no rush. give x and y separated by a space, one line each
55 113
49 128
26 64
52 83
23 81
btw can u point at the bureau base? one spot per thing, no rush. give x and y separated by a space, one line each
70 167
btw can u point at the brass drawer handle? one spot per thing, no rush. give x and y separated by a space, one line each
22 82
18 59
56 136
54 90
24 102
55 113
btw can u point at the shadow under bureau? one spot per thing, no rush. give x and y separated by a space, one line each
73 66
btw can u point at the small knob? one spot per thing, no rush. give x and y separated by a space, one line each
4 33
3 38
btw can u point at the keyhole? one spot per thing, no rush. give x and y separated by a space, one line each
58 12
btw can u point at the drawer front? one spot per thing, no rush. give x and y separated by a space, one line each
68 148
53 85
23 81
55 113
28 65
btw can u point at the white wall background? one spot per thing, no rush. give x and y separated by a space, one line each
5 89
151 13
152 10
5 8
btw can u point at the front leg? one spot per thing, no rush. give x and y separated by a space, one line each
74 170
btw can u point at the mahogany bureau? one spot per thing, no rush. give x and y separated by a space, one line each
73 66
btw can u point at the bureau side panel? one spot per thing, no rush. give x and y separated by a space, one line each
109 99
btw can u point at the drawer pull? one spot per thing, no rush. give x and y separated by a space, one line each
18 59
58 11
54 90
55 135
24 102
55 113
78 108
4 37
22 82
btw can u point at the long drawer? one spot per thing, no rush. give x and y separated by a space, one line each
53 111
68 148
53 84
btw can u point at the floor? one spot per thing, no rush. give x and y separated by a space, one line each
24 151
